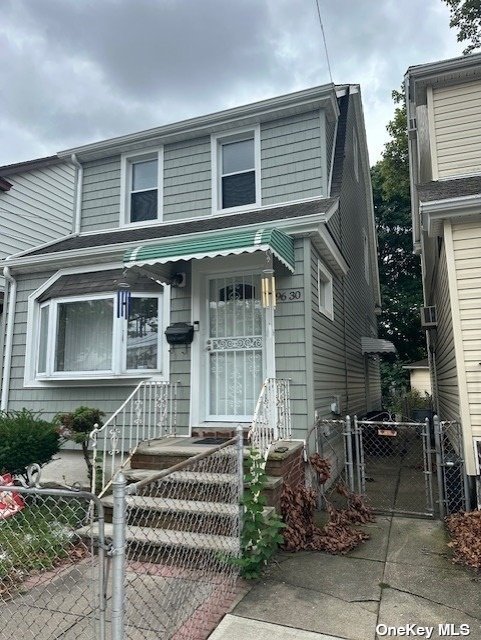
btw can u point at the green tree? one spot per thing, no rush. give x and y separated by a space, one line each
466 18
399 268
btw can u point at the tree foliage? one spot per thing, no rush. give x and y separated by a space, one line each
466 19
399 268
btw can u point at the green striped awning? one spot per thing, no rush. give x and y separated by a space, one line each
215 244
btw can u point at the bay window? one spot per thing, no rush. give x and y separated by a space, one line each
89 336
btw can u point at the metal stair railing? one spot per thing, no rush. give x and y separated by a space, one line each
149 412
272 415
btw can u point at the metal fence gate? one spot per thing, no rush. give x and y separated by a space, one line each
402 468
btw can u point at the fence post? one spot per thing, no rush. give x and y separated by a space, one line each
357 442
428 469
240 465
118 555
439 465
349 458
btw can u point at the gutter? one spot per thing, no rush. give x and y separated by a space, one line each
7 359
413 172
78 193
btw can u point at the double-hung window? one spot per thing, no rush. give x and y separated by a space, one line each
142 188
236 170
90 336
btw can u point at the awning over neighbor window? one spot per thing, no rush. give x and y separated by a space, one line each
376 345
215 244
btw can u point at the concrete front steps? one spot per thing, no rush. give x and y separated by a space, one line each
284 464
184 512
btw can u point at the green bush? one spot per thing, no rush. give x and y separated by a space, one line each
77 426
25 439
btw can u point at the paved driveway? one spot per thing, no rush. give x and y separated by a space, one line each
401 576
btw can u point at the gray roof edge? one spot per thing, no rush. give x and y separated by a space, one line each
323 92
461 63
8 170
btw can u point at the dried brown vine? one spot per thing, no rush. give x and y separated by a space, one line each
298 505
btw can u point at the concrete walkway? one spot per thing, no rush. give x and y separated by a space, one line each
401 576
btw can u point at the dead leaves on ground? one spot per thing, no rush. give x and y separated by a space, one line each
465 531
338 536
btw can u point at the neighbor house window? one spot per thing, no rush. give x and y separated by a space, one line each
88 335
236 170
141 186
325 290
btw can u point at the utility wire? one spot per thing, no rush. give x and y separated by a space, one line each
324 39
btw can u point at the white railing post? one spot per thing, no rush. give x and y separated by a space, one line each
148 413
272 415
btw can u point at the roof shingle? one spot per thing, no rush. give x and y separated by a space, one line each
447 189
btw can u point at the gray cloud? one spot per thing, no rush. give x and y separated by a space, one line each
79 70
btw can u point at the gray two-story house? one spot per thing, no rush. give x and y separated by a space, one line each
214 253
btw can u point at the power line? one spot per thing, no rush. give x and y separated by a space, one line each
324 39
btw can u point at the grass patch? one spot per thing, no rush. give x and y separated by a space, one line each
38 538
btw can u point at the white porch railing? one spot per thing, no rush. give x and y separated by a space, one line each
272 416
149 412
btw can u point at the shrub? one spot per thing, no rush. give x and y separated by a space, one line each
26 439
77 426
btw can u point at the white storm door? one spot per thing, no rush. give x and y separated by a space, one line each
235 347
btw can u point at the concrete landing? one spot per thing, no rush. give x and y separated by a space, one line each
402 575
235 628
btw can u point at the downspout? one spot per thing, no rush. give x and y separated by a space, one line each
7 360
78 193
413 171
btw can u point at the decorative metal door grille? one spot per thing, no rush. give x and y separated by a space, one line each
235 346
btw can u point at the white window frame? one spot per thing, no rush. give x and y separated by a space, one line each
365 248
217 140
119 340
325 281
126 162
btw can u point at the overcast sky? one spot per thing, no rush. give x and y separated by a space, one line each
76 71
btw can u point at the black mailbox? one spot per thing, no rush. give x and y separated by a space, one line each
179 333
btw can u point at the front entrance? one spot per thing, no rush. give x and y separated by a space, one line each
234 343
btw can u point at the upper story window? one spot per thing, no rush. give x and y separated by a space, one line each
141 188
236 170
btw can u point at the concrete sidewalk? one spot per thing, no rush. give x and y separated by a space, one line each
401 576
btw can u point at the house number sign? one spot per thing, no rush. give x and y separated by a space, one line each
290 295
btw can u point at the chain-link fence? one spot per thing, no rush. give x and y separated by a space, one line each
51 578
328 439
182 537
452 480
396 465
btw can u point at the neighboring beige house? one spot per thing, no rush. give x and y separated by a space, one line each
444 116
419 376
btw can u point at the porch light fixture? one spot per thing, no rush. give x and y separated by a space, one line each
268 289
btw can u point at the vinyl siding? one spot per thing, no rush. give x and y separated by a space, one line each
38 208
358 295
291 158
101 194
290 342
457 114
445 355
420 379
328 346
187 179
467 259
